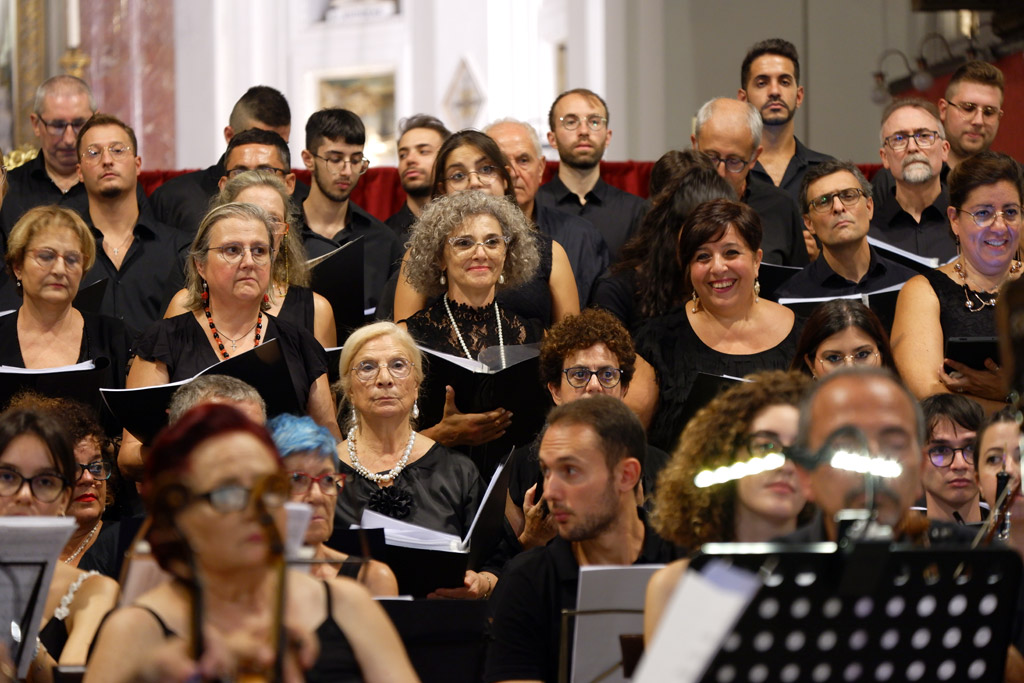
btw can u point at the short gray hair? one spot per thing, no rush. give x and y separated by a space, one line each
62 83
446 214
530 131
754 121
205 387
915 103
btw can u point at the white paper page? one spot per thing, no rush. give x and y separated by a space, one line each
84 365
684 645
596 646
397 532
472 365
929 261
893 288
786 300
490 487
299 515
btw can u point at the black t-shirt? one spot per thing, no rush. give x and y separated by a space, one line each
614 213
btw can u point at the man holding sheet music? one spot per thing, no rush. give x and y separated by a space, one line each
837 206
591 454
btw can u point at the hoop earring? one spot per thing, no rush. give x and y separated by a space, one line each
696 302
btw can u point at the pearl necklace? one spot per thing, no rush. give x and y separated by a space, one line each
465 349
392 474
81 546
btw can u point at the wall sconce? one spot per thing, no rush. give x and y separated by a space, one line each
882 91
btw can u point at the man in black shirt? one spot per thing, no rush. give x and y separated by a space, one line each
334 156
421 137
583 244
137 254
836 199
591 455
578 122
62 106
729 133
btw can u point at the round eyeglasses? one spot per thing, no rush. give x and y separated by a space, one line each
357 163
732 164
367 370
942 455
459 180
967 110
272 492
579 376
330 483
46 488
118 152
46 257
572 122
233 253
984 218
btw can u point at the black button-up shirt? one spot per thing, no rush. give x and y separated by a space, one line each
819 280
401 222
803 158
616 214
931 237
782 227
30 186
583 244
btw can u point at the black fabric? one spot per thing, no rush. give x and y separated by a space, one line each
616 293
532 300
401 222
939 533
29 186
431 327
583 244
615 214
954 318
782 227
528 601
102 337
677 354
107 553
181 344
883 183
801 161
54 636
336 662
351 567
444 485
298 308
931 237
819 280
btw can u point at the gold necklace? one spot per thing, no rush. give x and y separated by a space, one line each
982 302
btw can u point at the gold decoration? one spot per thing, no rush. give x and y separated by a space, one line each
74 62
22 155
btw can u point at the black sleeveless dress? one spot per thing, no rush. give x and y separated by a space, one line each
954 317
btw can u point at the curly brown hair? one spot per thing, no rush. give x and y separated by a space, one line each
691 516
578 332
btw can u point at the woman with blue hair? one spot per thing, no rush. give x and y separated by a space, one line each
309 456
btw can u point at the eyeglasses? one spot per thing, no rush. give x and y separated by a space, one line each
760 444
984 218
235 172
58 127
272 491
924 138
968 109
485 174
118 152
942 456
732 164
462 245
367 370
572 122
358 163
45 487
46 257
233 253
579 376
330 483
100 470
832 361
849 197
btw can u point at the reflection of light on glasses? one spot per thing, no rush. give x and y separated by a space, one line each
738 470
863 464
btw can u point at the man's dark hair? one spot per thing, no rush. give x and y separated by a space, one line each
106 120
334 124
958 410
984 168
617 428
263 104
423 121
772 46
975 71
816 172
589 94
258 136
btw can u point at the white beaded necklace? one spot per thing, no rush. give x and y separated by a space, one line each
81 546
465 349
373 476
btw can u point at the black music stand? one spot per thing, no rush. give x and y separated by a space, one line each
874 611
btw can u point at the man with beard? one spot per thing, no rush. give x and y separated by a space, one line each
590 454
770 80
912 214
578 123
136 253
971 109
334 157
419 139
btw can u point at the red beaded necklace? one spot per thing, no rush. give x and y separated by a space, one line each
216 336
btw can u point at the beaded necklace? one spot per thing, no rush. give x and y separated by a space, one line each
216 335
390 475
465 349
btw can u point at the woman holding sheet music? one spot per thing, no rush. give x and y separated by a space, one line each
49 250
958 299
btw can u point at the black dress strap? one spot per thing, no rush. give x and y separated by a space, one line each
168 633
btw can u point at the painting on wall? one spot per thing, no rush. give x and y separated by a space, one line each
372 97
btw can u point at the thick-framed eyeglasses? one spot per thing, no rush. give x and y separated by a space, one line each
572 122
462 245
968 109
984 218
118 152
58 127
579 376
943 455
272 492
924 138
232 253
330 483
46 257
732 164
849 197
45 487
760 444
357 163
99 469
367 370
235 172
485 174
832 361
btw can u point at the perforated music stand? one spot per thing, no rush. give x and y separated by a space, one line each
872 612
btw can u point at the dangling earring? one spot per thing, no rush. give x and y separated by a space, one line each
266 301
284 255
18 284
696 302
757 290
205 296
501 279
443 280
415 409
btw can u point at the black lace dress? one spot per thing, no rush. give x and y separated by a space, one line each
431 327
